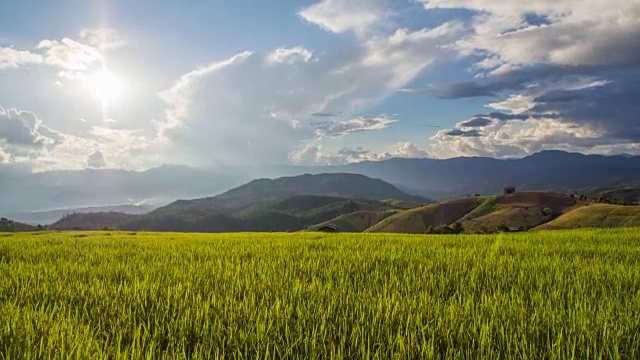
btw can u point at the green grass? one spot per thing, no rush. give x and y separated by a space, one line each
556 295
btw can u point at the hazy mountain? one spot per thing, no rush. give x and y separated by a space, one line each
547 170
432 178
48 217
26 192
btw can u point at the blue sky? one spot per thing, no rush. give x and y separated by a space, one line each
135 84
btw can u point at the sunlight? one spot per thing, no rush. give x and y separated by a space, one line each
104 85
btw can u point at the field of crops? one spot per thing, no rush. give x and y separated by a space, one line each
556 295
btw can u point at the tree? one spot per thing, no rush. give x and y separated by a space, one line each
457 227
509 189
502 227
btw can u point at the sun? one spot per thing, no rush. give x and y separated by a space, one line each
104 85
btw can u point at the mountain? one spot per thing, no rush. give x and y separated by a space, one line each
48 217
451 178
44 191
283 204
439 179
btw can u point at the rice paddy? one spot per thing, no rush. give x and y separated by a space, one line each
92 295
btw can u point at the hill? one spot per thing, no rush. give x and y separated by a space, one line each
524 210
7 225
91 221
291 213
619 192
349 186
596 215
358 221
418 220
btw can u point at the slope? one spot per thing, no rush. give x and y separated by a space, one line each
596 215
524 210
416 221
358 221
7 225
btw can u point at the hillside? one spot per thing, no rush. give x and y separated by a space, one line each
596 215
91 221
524 210
418 220
349 186
291 213
7 225
358 221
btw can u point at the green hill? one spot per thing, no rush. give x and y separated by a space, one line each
596 215
7 225
418 220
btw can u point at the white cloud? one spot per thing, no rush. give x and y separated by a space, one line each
289 55
12 58
569 32
340 16
71 57
410 150
261 113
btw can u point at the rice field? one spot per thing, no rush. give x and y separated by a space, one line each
555 295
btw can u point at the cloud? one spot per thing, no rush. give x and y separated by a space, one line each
12 58
339 16
96 160
259 113
104 38
462 133
71 57
360 124
590 32
23 134
410 150
289 56
477 121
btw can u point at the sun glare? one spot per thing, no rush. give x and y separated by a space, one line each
104 85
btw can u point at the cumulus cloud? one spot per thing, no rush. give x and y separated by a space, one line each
22 133
590 32
263 113
410 150
96 160
13 58
289 55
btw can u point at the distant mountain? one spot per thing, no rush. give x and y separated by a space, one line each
452 178
438 179
26 192
48 217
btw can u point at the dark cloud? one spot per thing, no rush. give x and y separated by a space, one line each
22 133
96 160
613 108
476 122
325 114
463 133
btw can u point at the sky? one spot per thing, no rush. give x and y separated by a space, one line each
136 84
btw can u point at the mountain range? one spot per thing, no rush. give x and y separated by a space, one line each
431 178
